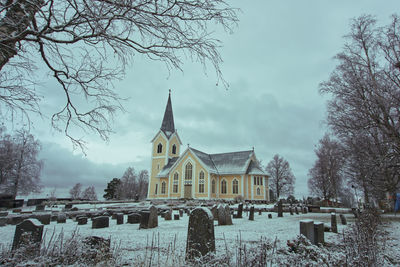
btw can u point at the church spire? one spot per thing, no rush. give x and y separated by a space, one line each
168 126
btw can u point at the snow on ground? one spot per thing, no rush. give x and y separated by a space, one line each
170 236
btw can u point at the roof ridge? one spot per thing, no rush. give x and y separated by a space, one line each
232 152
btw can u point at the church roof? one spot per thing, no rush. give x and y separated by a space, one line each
167 125
240 162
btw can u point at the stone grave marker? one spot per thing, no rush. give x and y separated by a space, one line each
240 211
319 233
259 212
269 216
43 218
39 208
120 218
307 229
61 218
333 223
153 219
176 217
251 215
3 221
291 210
214 211
100 222
144 219
134 218
200 237
343 219
280 209
180 212
28 232
296 209
228 215
221 215
168 215
82 220
68 206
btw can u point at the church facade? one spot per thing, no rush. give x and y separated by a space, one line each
194 174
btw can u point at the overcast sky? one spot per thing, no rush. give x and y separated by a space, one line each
273 62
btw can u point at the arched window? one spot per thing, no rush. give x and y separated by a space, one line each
188 171
174 149
176 183
258 191
213 186
235 187
201 182
163 187
223 187
159 148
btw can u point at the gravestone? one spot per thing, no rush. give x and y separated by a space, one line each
120 218
144 219
333 223
214 211
3 221
240 211
251 215
39 208
307 229
259 212
28 232
221 215
134 218
280 209
68 206
114 216
343 219
81 220
153 219
296 209
168 215
305 209
291 210
43 218
53 217
269 216
176 217
319 233
61 218
200 237
180 212
228 215
100 222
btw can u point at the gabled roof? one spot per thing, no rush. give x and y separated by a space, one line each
167 125
240 162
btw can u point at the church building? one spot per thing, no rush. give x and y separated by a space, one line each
198 175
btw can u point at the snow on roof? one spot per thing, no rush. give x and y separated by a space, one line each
255 169
166 169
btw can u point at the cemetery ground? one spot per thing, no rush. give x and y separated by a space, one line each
239 244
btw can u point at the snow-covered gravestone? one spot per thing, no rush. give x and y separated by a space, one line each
221 215
134 218
251 215
200 238
100 222
82 220
61 218
318 233
307 229
228 219
120 218
333 222
28 232
280 209
153 219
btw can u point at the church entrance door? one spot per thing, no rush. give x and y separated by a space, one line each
188 191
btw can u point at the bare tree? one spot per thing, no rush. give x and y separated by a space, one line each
326 176
143 180
20 173
129 186
281 176
89 193
86 44
75 192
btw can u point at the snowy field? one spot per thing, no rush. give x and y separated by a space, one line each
169 238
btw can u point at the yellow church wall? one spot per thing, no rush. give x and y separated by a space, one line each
229 186
249 181
156 167
197 185
160 194
160 139
171 189
212 176
174 141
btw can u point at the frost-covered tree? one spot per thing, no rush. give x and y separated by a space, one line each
75 191
281 179
84 45
89 193
20 167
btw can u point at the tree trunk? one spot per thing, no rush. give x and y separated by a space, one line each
13 26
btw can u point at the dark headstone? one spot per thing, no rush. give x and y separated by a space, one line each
153 219
228 215
61 218
280 209
114 216
16 210
240 211
319 233
68 206
181 212
327 228
214 211
251 215
343 219
168 215
74 209
269 216
144 219
28 232
259 212
296 209
100 222
81 220
120 218
53 217
221 215
333 222
176 217
305 209
134 218
200 237
307 229
291 210
43 218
